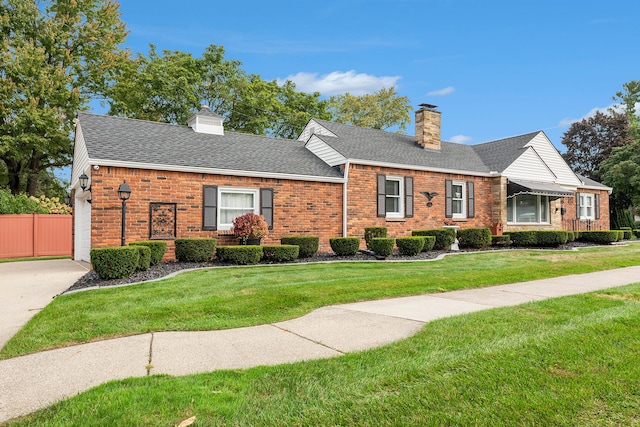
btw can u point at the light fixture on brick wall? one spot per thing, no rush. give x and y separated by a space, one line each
84 181
124 192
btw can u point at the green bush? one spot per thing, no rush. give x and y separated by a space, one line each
445 237
524 238
551 237
144 261
627 233
19 204
308 244
571 236
195 249
503 240
410 245
601 237
429 243
115 262
281 253
474 238
636 233
158 248
372 232
382 246
345 246
240 254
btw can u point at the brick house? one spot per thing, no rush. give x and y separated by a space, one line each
334 180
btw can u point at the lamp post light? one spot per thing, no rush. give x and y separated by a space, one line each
84 180
124 191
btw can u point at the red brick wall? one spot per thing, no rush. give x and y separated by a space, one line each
300 207
362 201
570 221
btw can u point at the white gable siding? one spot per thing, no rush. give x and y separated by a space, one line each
80 156
324 152
553 159
531 167
311 128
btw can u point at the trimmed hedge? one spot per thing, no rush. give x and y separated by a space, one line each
158 248
523 238
308 244
345 246
627 233
503 240
195 249
474 238
382 246
599 236
115 262
571 236
144 261
281 253
445 237
539 237
240 254
372 232
410 245
429 243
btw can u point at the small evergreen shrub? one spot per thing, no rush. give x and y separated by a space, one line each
503 240
551 237
602 237
372 232
410 245
445 237
195 249
474 238
524 238
345 246
571 236
240 254
281 253
158 248
429 243
115 262
308 244
382 246
144 261
627 234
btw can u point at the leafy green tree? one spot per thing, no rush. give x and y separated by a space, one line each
629 99
589 142
54 56
381 110
621 171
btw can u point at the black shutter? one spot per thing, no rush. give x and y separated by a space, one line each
266 205
448 197
471 208
210 207
408 197
577 205
382 195
596 202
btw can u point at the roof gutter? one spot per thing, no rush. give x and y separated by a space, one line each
422 168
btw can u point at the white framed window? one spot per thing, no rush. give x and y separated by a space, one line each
233 202
528 209
586 206
458 199
394 202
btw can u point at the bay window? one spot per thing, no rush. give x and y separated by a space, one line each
528 209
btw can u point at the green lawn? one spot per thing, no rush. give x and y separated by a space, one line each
42 258
233 297
572 361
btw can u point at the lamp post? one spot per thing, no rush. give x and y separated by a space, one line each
124 191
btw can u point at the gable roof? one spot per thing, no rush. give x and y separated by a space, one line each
127 142
500 154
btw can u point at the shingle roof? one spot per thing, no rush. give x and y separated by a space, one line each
139 141
591 183
380 146
500 154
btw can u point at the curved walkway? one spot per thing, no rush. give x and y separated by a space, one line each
31 382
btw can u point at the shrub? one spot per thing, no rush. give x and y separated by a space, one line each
115 262
620 235
524 238
627 234
250 226
382 246
503 240
571 236
19 204
429 243
345 246
158 248
240 254
636 233
372 232
308 244
551 237
445 237
474 237
410 245
144 260
195 249
282 253
602 237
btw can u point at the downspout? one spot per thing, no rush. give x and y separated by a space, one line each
344 199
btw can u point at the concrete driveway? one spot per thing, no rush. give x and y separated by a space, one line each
26 287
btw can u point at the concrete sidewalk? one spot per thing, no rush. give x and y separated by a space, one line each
35 381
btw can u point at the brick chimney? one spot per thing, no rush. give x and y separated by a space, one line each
428 127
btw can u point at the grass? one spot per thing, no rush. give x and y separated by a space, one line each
571 361
235 297
42 258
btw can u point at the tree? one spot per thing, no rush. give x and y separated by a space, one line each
589 142
54 56
621 171
381 110
629 102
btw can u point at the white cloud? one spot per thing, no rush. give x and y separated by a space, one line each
339 82
568 121
461 139
442 92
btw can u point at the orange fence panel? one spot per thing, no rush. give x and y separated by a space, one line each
35 235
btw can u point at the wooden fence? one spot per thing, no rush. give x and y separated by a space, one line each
35 235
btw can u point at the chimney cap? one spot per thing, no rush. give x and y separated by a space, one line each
428 106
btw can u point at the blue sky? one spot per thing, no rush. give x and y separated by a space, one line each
494 68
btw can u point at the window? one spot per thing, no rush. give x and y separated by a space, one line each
220 206
529 209
459 199
395 196
233 203
393 202
586 206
